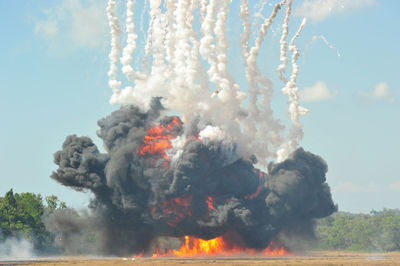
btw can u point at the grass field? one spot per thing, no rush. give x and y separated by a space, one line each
315 258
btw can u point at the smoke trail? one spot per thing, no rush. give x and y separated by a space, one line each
157 38
296 54
206 43
330 46
261 6
285 30
260 121
220 36
245 36
182 49
142 25
186 68
147 47
228 89
115 47
261 34
130 47
295 110
169 38
203 8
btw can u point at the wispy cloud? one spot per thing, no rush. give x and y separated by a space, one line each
317 93
348 187
46 29
381 92
73 24
318 10
395 186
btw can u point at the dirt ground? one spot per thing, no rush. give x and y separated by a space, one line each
315 258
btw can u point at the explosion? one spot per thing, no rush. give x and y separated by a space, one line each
187 184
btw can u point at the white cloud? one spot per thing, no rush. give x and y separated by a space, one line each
88 23
317 93
318 10
73 24
46 29
348 187
381 92
395 186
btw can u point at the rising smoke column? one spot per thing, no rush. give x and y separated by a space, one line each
193 173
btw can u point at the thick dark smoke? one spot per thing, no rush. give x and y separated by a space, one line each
141 196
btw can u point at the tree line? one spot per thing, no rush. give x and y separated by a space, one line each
23 215
376 231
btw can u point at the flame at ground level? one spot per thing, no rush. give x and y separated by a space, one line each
192 247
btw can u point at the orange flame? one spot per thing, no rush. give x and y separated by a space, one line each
255 194
260 186
193 247
210 203
139 255
158 139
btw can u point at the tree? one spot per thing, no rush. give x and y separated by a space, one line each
53 203
21 215
377 231
8 214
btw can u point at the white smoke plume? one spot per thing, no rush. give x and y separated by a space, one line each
115 47
186 63
295 110
203 7
130 47
16 249
245 36
285 31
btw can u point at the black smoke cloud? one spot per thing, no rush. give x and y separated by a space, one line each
139 197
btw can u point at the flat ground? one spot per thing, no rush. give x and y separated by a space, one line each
315 258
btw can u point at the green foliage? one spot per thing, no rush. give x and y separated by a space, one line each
377 231
21 216
53 203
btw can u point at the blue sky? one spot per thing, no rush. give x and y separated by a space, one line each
53 81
